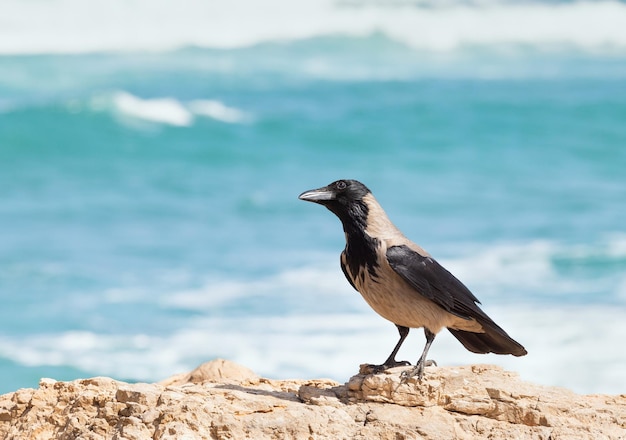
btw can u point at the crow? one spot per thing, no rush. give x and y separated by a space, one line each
402 282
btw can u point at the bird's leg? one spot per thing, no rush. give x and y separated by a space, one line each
418 370
391 360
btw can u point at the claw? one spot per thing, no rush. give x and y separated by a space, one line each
375 369
418 370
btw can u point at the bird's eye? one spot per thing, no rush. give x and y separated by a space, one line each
341 185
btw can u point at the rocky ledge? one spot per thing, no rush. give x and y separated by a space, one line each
222 400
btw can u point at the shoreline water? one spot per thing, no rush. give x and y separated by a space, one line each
563 351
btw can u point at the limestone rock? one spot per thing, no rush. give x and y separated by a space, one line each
222 400
219 371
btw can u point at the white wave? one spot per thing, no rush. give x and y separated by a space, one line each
575 347
161 110
168 111
506 264
217 110
96 25
310 283
497 274
543 269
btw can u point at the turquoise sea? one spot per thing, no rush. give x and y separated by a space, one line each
151 157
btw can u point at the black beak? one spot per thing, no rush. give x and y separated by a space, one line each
320 195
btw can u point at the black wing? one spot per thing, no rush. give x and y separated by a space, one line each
432 280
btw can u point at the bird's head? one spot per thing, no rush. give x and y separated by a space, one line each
345 198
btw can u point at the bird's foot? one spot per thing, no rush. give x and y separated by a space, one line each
418 370
375 369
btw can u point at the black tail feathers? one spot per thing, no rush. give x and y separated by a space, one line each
494 340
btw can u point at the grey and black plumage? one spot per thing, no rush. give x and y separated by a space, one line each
402 282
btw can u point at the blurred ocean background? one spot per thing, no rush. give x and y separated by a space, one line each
152 152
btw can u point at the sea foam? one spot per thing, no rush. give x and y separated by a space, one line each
171 111
217 110
575 347
161 110
54 26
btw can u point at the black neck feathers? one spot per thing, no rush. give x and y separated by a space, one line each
360 247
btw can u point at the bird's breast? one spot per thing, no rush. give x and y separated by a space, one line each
393 299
